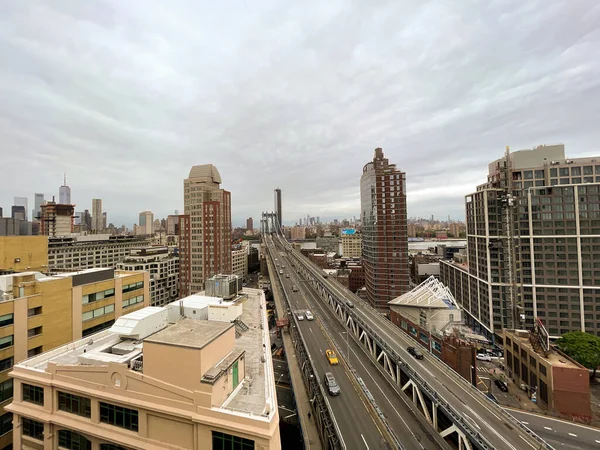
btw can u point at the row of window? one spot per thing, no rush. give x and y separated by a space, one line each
97 296
7 341
133 301
7 319
133 286
89 315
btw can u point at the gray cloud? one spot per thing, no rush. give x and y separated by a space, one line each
126 96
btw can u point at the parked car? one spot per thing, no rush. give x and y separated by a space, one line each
415 352
331 357
483 357
331 384
300 316
501 385
309 315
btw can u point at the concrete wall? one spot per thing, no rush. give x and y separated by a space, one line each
32 251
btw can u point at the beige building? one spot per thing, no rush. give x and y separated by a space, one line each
298 233
39 313
351 245
146 223
56 219
204 229
177 377
239 261
97 217
23 254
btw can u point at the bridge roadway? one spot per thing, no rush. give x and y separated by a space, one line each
487 418
409 427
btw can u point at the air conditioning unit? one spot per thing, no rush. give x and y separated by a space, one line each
554 163
569 161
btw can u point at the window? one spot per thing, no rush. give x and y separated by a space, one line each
90 298
99 327
74 404
34 332
33 394
6 390
89 315
111 447
73 441
543 370
33 429
133 301
5 423
133 286
223 441
119 416
6 341
6 319
34 311
6 363
35 351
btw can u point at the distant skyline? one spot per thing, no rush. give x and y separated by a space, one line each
125 96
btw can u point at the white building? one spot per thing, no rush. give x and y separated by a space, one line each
164 272
88 251
239 260
430 305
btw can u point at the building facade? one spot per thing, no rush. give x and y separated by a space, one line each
97 218
239 261
87 251
39 313
23 254
205 238
384 231
22 204
298 233
146 225
163 267
531 245
161 378
56 219
249 224
351 244
38 201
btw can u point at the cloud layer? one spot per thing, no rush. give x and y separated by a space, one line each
125 96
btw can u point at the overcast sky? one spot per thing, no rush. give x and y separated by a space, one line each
126 95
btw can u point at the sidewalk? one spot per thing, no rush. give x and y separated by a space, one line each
308 427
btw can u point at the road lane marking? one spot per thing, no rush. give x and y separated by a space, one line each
572 434
539 416
525 423
548 428
365 441
530 444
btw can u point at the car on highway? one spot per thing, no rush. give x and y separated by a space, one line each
501 385
483 357
309 315
415 352
294 288
331 357
300 316
331 384
287 275
281 272
349 304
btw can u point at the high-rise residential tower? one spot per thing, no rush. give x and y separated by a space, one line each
64 193
146 223
532 241
278 206
97 219
204 229
38 201
249 224
385 240
22 202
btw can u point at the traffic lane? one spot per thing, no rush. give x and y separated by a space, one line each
560 431
400 419
351 414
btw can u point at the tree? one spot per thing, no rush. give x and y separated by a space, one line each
583 348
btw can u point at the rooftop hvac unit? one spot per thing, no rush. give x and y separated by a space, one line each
226 287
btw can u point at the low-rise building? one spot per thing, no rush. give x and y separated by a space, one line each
422 266
39 313
329 243
163 266
88 251
239 260
195 374
298 233
558 383
23 254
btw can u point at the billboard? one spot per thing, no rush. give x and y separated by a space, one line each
542 334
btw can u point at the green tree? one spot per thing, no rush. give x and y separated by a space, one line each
583 348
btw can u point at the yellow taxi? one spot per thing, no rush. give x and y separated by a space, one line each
331 357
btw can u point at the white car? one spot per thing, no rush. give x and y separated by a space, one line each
300 317
483 357
309 315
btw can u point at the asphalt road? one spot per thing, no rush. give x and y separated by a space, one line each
560 434
412 431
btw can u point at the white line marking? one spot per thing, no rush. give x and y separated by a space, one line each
548 428
525 423
597 441
364 440
531 445
572 434
564 422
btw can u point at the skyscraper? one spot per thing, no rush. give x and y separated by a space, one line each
278 206
18 212
385 240
38 201
22 201
532 243
249 224
97 219
204 229
64 193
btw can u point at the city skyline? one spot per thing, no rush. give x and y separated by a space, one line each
300 106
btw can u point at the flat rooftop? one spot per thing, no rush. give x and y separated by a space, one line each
254 395
554 358
190 333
